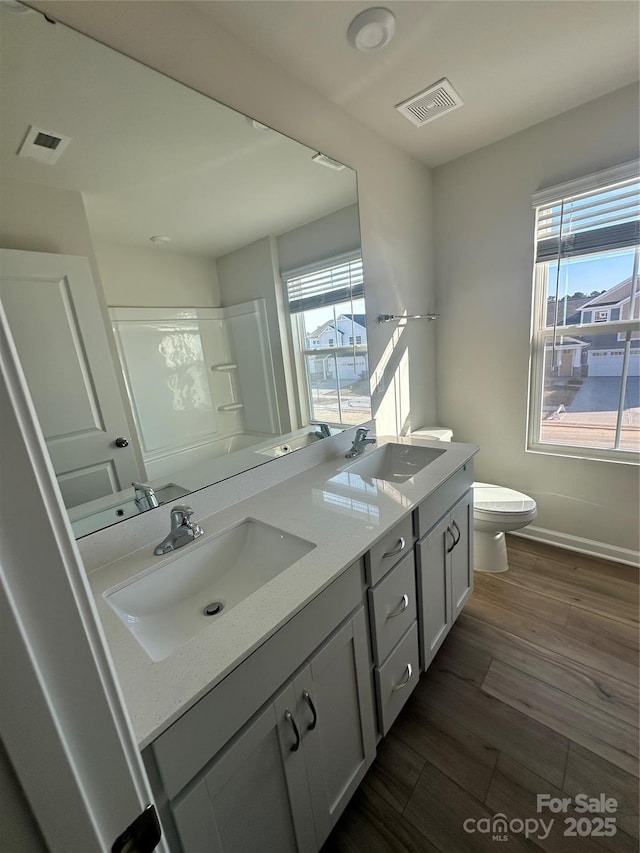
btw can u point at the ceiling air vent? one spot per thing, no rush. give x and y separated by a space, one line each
434 102
43 145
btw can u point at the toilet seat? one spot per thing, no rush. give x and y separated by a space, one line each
492 503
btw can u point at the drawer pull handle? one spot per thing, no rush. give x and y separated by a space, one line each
453 543
401 609
404 683
453 536
309 701
401 547
289 718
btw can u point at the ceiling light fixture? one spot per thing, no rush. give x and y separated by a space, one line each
371 29
257 125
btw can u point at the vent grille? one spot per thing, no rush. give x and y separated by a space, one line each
43 145
438 99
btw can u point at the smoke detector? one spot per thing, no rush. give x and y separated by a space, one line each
43 145
372 29
438 99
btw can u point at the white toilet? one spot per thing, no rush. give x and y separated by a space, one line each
496 510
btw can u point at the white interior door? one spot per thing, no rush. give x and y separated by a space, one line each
55 320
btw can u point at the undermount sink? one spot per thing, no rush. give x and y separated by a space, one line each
169 605
394 463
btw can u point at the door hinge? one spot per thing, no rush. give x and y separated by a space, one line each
142 836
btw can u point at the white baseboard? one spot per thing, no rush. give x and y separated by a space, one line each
582 546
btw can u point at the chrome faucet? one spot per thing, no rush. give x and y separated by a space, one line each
144 495
359 443
183 530
323 431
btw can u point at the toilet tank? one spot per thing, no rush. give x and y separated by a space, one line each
434 433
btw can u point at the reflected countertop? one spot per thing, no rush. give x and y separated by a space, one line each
324 499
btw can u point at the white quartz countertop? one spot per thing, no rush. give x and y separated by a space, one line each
342 515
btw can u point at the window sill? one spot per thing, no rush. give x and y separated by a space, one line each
591 454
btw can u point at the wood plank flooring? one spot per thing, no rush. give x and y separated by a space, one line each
535 691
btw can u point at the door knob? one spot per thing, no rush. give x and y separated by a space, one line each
121 442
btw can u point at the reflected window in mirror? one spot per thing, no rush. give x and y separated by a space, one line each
329 331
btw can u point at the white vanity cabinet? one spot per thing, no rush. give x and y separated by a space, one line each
444 557
280 780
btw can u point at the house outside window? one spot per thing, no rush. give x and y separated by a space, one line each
328 321
585 372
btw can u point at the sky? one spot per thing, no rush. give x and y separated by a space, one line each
589 273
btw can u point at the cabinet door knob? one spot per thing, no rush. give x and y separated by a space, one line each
289 718
401 547
404 683
307 698
403 606
121 442
459 533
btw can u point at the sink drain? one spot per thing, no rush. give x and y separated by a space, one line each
213 609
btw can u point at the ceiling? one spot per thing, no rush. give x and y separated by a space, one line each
514 62
149 155
189 169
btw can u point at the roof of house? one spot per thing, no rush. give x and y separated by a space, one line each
618 293
358 319
572 304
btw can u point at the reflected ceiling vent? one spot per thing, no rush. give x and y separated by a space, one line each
328 162
43 145
434 102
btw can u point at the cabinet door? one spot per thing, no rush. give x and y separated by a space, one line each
335 708
434 589
255 796
461 555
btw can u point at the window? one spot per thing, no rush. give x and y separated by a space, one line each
326 303
585 373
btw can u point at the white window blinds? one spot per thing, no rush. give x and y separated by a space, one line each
595 221
331 281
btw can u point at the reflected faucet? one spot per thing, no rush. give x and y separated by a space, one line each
323 431
183 530
145 497
359 443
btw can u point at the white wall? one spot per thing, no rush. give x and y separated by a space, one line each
334 234
394 190
250 273
484 234
154 277
36 218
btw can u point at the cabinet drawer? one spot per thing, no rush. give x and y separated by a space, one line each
397 678
392 606
440 502
391 548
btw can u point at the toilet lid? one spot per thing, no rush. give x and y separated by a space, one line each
488 498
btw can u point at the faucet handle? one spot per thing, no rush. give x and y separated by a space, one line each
181 515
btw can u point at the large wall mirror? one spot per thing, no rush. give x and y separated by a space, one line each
184 285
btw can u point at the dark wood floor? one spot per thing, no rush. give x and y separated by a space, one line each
535 691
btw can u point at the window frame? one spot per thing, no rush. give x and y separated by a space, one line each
301 351
541 333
